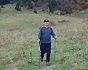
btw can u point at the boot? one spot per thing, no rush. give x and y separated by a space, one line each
48 64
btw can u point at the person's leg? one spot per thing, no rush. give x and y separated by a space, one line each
42 54
48 50
42 48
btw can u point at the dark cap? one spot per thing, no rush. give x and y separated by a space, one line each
46 20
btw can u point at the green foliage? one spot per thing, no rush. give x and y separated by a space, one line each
83 5
2 3
52 4
26 3
18 6
30 6
68 11
63 12
30 61
2 6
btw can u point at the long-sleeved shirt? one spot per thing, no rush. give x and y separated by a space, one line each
45 34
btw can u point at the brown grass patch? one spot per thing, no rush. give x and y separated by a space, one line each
63 21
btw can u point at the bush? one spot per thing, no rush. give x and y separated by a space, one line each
2 6
18 6
83 5
68 11
57 12
30 6
63 12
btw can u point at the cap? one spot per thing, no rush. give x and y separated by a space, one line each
46 20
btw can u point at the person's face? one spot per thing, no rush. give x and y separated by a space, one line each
46 23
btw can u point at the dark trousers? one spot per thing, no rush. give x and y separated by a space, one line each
45 48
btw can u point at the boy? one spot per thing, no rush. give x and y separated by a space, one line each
45 37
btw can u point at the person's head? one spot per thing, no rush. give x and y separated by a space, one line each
46 22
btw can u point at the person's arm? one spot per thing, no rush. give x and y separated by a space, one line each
53 34
39 35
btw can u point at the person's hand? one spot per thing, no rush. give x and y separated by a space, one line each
55 37
38 40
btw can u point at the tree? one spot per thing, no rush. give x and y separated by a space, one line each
18 6
30 6
1 3
52 4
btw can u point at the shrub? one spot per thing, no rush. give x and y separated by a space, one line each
2 6
30 6
68 11
18 6
63 12
57 12
83 5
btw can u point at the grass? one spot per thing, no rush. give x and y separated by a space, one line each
82 14
20 30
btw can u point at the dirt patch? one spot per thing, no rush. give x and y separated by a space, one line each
14 29
63 21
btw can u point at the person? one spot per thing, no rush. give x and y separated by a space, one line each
45 37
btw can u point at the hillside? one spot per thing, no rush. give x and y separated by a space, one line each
19 29
81 14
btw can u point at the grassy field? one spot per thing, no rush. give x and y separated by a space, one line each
20 30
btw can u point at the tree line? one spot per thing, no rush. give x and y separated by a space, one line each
63 6
67 6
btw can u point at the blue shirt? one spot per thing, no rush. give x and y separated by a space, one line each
45 34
